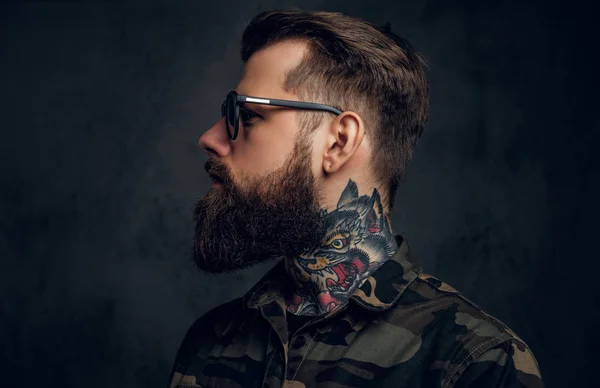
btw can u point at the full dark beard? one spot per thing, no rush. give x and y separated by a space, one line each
275 217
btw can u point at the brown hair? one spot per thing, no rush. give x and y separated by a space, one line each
353 65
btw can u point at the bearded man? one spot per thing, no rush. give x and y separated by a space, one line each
305 162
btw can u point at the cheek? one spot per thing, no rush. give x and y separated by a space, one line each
264 151
254 161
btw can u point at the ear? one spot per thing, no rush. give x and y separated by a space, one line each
345 135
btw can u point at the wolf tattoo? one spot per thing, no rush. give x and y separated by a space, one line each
357 241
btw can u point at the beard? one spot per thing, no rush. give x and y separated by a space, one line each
272 217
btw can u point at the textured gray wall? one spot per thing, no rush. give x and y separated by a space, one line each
101 108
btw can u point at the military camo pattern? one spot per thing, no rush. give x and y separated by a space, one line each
401 328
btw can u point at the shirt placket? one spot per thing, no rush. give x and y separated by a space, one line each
300 345
277 348
302 342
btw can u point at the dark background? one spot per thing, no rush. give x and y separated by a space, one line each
101 108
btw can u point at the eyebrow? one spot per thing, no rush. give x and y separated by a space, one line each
254 108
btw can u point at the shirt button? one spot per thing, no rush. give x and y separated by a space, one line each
299 342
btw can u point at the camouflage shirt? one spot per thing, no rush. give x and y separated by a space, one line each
401 328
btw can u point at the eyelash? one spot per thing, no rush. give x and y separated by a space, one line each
246 117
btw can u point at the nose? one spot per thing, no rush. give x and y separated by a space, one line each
215 141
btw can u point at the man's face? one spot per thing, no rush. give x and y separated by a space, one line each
268 203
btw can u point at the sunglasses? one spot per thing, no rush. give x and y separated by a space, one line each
230 109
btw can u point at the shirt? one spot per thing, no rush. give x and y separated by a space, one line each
400 328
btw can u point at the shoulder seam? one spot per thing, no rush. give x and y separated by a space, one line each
508 331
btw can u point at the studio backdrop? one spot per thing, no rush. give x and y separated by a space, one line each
102 105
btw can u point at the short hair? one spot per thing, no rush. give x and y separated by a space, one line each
354 65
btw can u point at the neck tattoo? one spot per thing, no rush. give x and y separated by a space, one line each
358 240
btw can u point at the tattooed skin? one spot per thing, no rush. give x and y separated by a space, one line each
357 241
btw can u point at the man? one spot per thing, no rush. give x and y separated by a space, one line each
305 162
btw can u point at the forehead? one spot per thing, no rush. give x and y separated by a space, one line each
264 73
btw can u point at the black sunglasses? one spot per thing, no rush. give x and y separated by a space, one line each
230 108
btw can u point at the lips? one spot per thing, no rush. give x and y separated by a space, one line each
216 179
216 171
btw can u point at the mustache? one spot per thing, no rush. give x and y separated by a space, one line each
212 167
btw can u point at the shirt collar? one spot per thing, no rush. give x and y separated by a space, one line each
379 292
385 286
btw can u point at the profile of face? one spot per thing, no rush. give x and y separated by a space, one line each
267 203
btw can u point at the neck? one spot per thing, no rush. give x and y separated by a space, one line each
358 240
